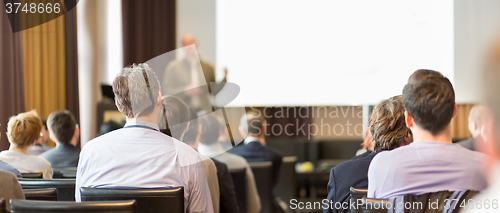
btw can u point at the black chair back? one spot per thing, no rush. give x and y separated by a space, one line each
376 206
37 175
65 187
3 206
357 196
36 206
239 177
49 194
286 189
64 172
263 174
148 200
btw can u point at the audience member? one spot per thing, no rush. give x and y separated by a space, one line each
387 130
41 145
177 115
228 201
22 131
64 131
212 128
139 155
432 163
476 117
10 188
108 127
489 142
8 168
255 149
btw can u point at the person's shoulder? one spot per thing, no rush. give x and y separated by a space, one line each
42 162
237 159
47 153
7 177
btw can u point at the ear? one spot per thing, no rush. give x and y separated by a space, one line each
118 106
242 132
408 120
77 133
455 111
159 100
263 129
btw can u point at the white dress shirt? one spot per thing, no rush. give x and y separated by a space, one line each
27 163
232 161
138 155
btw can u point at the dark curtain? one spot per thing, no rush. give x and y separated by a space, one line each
148 29
11 76
71 45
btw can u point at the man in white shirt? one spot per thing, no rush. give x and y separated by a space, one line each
212 129
139 155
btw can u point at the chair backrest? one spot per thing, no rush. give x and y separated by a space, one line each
240 186
263 174
376 206
357 196
3 206
442 201
32 206
286 189
41 194
64 172
65 187
148 200
37 175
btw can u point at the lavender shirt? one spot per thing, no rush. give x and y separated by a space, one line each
423 167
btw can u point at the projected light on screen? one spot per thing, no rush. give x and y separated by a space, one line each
330 52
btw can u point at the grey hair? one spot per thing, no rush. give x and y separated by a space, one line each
136 96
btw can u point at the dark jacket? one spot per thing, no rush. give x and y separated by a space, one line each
228 201
63 155
352 173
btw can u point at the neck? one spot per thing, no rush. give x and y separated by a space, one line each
424 135
149 118
24 151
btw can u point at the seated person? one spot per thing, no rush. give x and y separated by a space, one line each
211 130
432 162
41 145
387 130
8 168
22 131
476 117
255 149
64 131
139 155
10 188
179 118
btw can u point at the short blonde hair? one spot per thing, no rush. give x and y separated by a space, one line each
24 129
387 125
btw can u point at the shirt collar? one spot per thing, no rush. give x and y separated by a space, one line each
251 139
142 123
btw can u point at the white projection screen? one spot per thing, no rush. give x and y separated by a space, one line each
330 52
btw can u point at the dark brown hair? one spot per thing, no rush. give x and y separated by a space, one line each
429 98
62 125
387 125
175 115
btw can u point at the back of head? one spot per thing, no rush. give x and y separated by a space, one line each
254 122
62 125
191 135
175 116
23 129
136 88
211 127
387 127
429 98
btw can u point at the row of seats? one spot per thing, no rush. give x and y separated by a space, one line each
446 201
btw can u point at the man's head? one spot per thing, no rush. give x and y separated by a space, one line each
176 117
476 117
24 129
192 135
187 41
254 122
62 126
387 125
429 101
212 128
137 91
